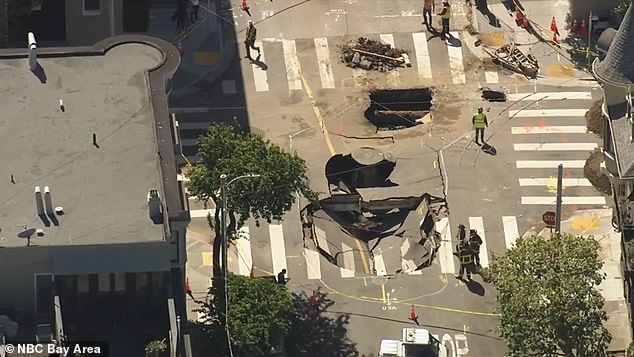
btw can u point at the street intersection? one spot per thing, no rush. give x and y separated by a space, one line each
300 96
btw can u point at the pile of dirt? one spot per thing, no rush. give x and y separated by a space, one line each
350 55
592 171
595 120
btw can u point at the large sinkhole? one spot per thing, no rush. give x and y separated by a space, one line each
392 109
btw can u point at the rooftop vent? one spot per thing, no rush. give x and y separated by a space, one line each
155 206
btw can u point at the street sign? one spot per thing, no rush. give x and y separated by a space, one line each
549 218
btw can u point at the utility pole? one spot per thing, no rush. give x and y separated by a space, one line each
560 174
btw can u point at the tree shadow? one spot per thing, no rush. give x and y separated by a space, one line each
314 334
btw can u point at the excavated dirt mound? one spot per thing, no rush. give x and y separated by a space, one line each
595 120
592 171
352 58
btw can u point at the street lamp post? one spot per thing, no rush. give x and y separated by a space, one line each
225 242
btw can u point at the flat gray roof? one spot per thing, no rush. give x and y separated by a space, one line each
103 190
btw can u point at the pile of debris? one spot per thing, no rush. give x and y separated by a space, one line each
373 55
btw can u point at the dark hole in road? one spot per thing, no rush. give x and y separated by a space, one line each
398 108
366 167
493 95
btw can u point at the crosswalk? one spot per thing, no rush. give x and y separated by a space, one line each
247 253
292 61
545 135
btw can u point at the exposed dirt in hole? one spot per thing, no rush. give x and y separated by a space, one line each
595 120
592 171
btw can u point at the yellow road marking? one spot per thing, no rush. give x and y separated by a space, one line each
366 265
383 292
206 259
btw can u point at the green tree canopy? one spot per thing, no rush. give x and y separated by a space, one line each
225 150
549 302
260 314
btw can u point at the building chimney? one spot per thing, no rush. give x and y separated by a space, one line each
38 201
155 206
32 51
47 201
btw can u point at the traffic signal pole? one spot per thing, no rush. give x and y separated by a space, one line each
560 174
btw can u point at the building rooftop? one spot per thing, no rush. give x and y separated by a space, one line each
103 188
616 68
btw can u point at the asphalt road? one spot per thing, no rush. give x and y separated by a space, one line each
501 196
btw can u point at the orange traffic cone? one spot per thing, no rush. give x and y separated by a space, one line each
525 23
188 288
519 18
583 29
252 273
575 27
244 5
412 314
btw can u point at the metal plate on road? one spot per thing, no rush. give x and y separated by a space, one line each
549 218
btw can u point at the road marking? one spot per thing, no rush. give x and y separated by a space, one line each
538 113
359 77
511 233
259 74
555 129
379 264
292 65
323 58
322 243
423 61
445 251
348 261
313 264
206 257
491 77
478 224
455 62
201 213
566 200
243 248
278 250
555 147
549 96
549 164
547 181
393 79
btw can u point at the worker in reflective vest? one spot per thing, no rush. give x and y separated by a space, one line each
445 15
465 254
479 123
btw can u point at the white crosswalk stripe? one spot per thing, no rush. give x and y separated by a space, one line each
313 264
555 129
455 62
548 96
511 232
243 248
259 74
539 113
555 146
278 248
445 252
491 77
323 58
565 200
423 60
552 181
292 65
348 261
393 79
549 164
379 264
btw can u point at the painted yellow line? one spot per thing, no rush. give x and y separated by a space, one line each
383 292
433 307
366 266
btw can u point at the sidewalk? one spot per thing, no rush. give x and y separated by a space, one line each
598 223
208 44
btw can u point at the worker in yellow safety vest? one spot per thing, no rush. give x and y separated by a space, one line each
465 254
445 15
479 123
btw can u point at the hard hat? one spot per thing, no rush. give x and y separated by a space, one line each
250 22
445 2
480 110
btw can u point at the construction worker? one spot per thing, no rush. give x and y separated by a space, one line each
428 9
479 123
462 233
445 15
465 254
475 241
249 43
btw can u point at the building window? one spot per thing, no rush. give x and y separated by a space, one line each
119 282
92 7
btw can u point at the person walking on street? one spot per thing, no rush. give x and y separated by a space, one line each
475 241
194 15
445 16
479 122
462 233
250 41
428 9
465 254
281 277
181 15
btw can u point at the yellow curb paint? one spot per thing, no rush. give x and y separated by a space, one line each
206 59
584 223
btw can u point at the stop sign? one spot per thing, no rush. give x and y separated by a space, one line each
549 218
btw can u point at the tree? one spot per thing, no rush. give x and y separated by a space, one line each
549 302
224 150
622 7
260 314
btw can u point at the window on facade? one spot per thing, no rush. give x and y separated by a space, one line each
83 284
119 282
44 293
104 282
607 140
92 7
